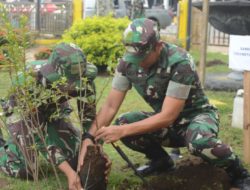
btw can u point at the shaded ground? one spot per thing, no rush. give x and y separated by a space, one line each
3 183
191 174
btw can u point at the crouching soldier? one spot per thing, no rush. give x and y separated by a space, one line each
37 114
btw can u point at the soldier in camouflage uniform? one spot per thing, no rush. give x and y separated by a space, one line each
53 134
165 77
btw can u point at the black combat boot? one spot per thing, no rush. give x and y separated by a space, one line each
240 177
175 154
157 166
159 162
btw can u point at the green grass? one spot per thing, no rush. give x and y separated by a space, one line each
4 83
218 69
120 172
211 56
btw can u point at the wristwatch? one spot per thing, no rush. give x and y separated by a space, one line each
87 135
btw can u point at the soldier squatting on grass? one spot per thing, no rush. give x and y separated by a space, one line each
166 78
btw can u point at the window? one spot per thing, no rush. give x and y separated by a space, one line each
89 4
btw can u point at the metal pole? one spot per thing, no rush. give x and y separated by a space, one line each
38 8
130 164
202 65
189 25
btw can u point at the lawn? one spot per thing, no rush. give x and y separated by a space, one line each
220 61
120 172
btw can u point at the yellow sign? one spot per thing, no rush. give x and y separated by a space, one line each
183 21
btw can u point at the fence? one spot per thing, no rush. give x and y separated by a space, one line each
57 19
15 10
215 37
53 18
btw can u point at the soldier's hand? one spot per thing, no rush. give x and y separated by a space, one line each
83 150
109 134
74 182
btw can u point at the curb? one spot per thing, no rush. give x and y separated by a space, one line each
220 81
46 41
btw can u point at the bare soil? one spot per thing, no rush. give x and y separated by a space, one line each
191 174
92 172
215 62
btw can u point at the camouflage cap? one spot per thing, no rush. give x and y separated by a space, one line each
65 60
139 39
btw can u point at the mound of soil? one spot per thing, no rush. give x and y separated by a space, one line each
191 174
215 62
201 177
92 172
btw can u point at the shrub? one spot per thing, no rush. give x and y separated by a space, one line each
43 53
1 58
3 41
13 40
99 38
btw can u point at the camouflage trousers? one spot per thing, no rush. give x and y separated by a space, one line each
198 134
57 141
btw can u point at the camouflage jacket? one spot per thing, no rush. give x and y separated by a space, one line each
173 75
48 102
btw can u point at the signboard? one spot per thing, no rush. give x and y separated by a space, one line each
239 53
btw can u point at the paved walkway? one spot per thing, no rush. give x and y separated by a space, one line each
32 51
221 81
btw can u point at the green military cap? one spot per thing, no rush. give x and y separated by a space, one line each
139 39
65 60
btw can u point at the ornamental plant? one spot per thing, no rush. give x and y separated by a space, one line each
13 40
100 39
43 53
